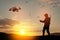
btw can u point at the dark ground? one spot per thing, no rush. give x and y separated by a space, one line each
53 36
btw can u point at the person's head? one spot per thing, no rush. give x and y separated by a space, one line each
46 15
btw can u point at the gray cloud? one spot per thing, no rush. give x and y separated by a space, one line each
54 3
10 22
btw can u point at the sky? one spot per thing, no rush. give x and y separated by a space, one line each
31 12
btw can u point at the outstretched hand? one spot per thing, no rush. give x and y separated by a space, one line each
40 20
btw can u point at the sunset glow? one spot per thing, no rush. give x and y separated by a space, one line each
27 20
22 32
21 28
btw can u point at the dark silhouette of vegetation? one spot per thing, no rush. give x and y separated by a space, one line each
4 36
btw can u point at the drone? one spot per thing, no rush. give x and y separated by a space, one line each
15 9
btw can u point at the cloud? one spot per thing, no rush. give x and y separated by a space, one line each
53 3
10 22
1 17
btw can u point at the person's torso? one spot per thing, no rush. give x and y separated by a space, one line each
47 21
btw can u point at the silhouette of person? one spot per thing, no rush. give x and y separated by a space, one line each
46 22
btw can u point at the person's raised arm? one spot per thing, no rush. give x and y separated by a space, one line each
42 21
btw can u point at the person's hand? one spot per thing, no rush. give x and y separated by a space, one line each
40 20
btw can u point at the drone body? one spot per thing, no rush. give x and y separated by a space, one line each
15 9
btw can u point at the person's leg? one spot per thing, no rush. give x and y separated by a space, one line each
43 31
48 31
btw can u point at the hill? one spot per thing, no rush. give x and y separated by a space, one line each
53 36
